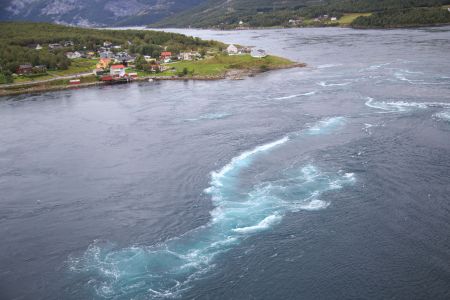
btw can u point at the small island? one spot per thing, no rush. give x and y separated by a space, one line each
36 57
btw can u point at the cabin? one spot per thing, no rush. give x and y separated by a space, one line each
232 50
106 54
117 70
54 46
73 55
189 55
40 69
166 55
24 69
258 53
68 44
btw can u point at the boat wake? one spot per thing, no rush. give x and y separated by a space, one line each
166 270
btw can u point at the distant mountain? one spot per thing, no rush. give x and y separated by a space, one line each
195 13
93 12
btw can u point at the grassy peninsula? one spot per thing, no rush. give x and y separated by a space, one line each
40 56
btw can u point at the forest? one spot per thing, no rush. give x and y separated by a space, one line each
403 18
265 13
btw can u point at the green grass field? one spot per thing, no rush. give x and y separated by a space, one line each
220 64
80 65
347 19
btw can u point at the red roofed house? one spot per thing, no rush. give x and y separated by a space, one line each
24 69
117 70
166 55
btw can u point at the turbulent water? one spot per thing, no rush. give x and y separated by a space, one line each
330 181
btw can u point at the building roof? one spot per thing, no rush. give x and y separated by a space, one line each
166 53
118 67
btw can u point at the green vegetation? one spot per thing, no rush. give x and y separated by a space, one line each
18 43
220 64
268 13
347 19
403 18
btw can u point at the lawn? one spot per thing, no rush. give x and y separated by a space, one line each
347 19
79 65
219 64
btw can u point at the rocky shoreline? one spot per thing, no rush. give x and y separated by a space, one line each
234 74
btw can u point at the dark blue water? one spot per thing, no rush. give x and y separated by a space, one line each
325 182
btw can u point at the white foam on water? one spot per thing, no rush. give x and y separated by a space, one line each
263 225
295 96
326 66
167 269
325 125
402 106
326 84
211 116
315 205
443 116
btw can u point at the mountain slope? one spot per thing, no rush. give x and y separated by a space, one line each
223 13
93 12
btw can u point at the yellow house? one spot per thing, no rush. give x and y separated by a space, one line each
103 63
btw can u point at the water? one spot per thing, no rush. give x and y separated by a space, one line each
330 181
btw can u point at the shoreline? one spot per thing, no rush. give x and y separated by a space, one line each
233 74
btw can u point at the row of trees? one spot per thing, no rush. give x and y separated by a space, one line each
408 17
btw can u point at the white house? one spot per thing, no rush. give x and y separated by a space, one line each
232 50
117 70
73 55
333 19
38 47
258 53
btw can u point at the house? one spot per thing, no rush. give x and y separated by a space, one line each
117 70
107 44
188 55
38 47
165 55
73 55
106 54
24 69
90 54
40 69
68 44
333 19
55 46
258 53
103 63
117 47
232 50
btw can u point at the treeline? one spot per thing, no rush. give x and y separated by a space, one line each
18 44
403 18
265 13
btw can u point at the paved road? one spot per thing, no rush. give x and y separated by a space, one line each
45 80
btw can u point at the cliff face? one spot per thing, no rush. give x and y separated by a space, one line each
93 12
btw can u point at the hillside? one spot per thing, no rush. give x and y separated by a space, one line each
265 13
93 13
